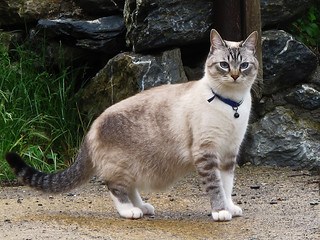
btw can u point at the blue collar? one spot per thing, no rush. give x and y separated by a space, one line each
235 105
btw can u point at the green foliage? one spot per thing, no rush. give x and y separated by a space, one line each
307 28
39 117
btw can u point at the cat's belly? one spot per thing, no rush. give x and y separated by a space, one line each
166 172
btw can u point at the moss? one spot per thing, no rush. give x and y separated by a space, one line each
115 82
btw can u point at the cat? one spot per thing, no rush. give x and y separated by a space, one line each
150 140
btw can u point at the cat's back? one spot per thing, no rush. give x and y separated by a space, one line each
148 113
158 99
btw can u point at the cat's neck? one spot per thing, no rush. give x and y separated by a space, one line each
236 93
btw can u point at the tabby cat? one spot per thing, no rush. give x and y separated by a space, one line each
150 140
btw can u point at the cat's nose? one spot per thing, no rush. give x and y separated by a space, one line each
235 76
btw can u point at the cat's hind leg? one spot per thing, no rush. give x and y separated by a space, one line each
135 198
123 204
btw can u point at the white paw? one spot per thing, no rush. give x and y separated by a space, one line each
147 209
236 211
131 213
222 215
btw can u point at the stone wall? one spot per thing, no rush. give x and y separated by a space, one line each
131 45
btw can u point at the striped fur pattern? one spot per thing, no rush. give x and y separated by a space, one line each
150 140
77 174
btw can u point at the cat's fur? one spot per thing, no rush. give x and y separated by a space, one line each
150 140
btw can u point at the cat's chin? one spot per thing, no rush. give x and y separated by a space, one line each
243 84
234 84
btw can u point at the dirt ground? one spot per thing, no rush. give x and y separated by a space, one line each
277 203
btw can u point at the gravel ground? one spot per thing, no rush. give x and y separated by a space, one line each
278 204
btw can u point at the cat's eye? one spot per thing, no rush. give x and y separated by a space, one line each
244 65
224 65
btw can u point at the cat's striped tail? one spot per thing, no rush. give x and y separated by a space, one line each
78 173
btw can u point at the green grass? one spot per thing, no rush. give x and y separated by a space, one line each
307 28
39 117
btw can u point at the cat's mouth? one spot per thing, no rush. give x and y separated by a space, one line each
232 81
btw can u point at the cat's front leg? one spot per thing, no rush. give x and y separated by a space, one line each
207 165
227 175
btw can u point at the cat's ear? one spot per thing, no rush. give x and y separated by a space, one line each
251 41
216 40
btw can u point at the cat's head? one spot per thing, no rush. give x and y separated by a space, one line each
232 64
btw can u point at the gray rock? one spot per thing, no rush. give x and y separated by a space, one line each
315 78
275 12
305 96
163 23
286 61
101 8
193 73
281 139
128 73
13 12
103 34
163 68
11 38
